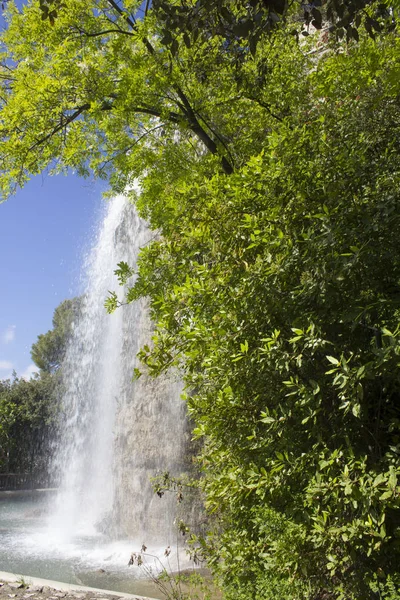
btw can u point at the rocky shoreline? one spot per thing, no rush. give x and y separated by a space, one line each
23 590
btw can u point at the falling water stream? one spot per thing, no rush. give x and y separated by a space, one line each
117 434
92 380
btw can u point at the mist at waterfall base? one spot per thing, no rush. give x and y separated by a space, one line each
117 434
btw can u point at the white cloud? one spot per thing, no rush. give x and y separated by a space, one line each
30 371
5 365
9 334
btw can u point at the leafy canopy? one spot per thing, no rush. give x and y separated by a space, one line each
271 175
49 350
27 419
276 292
29 409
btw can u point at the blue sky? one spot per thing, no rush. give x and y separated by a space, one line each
44 230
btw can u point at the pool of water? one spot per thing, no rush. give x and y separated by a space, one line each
31 547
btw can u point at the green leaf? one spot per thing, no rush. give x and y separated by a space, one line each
386 495
267 420
392 478
380 478
333 360
298 332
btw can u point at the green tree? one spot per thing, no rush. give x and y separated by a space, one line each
276 292
29 408
49 350
238 20
80 109
27 421
272 177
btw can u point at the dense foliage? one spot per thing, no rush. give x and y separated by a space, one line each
29 409
49 350
27 416
272 177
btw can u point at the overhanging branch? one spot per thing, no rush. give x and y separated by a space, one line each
188 113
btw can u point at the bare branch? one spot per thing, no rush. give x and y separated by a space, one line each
105 32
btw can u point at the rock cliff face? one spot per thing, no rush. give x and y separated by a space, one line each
151 430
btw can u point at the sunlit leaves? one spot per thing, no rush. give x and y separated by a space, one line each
267 290
274 290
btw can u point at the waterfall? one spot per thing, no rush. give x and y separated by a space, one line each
117 433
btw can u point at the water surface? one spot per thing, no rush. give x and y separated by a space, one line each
28 546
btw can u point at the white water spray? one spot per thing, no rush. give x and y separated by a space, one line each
117 433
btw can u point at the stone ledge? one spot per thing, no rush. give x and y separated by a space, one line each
35 588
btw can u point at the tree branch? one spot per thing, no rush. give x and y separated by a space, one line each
107 106
118 9
100 33
187 109
132 24
200 132
63 123
265 106
128 148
